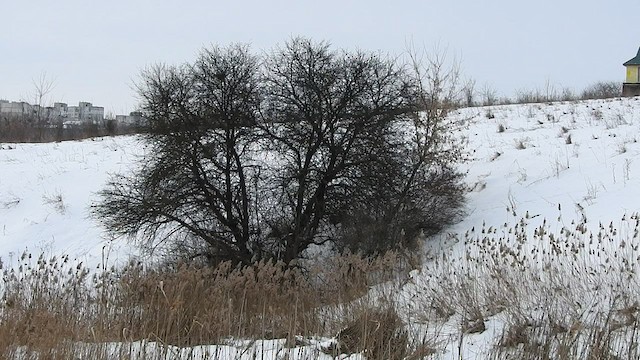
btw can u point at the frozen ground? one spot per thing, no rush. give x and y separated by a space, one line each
558 163
46 191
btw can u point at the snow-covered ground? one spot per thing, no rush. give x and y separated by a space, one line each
46 191
557 163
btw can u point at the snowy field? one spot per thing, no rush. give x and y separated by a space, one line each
46 191
559 162
579 156
555 165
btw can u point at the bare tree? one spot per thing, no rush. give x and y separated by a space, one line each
42 87
254 160
602 90
328 117
35 112
469 93
420 191
489 95
194 186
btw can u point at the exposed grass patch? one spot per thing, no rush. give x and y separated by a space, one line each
59 310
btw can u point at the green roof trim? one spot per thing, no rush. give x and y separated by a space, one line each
634 61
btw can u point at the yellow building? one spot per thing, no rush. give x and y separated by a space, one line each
631 86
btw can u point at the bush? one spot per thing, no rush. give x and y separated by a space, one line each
377 333
602 90
25 130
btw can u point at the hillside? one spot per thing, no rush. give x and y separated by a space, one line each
552 203
46 191
558 161
534 157
543 179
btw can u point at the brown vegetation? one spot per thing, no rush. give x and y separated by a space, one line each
21 130
51 307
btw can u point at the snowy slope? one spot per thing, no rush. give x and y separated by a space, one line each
555 165
558 163
46 191
520 160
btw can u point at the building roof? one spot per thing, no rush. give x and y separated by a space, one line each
634 61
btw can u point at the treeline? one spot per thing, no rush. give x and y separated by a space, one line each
29 130
487 96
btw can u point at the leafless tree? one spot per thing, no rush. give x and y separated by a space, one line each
255 159
194 185
489 95
42 88
330 117
469 93
421 191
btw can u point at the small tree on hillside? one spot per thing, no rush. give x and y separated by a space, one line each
469 93
194 186
489 95
414 188
42 87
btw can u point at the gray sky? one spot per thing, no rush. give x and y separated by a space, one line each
94 50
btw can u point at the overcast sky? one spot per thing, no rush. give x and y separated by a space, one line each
95 50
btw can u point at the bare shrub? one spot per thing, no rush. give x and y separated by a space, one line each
597 114
417 188
9 202
377 333
56 201
521 144
310 146
529 96
567 94
469 93
489 95
599 90
26 130
568 140
602 90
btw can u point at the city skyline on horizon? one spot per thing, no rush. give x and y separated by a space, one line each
96 50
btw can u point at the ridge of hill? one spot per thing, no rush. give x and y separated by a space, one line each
549 244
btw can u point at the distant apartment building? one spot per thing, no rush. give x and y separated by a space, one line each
134 118
84 113
14 108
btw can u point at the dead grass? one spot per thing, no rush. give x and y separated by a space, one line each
23 130
567 294
51 306
377 333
